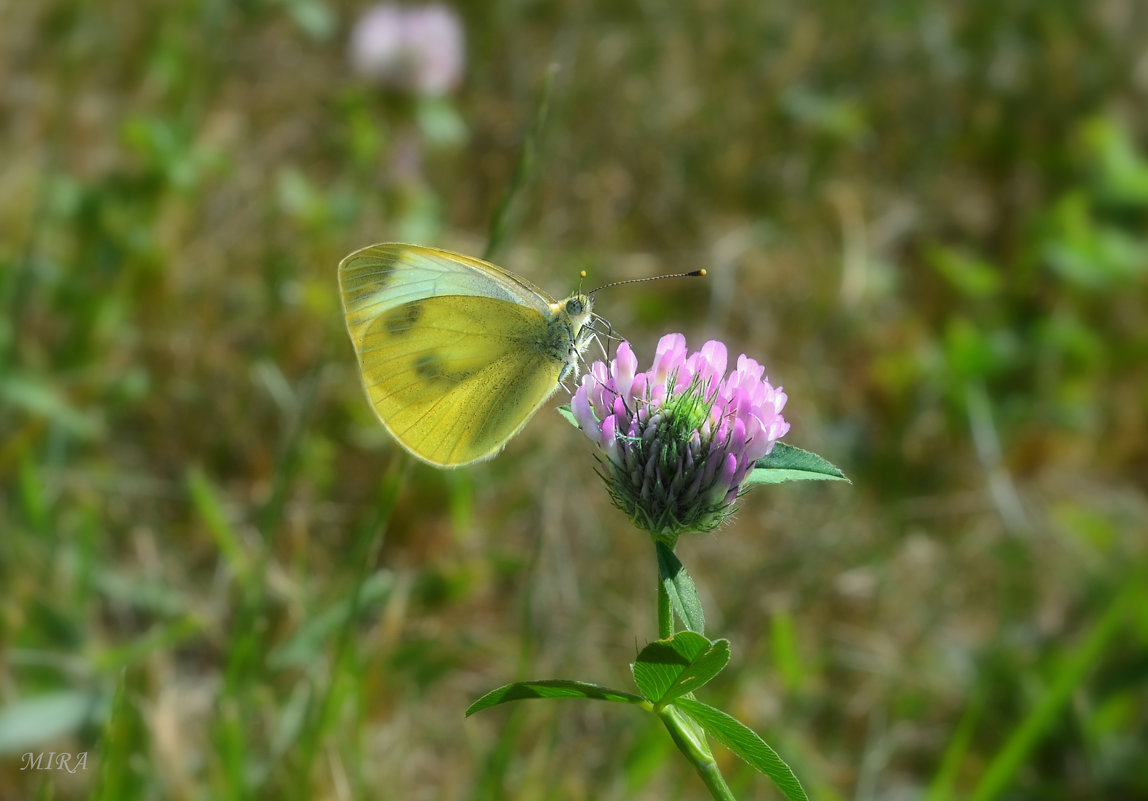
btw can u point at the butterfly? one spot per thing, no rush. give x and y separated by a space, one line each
455 353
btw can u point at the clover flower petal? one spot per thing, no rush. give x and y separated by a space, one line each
419 49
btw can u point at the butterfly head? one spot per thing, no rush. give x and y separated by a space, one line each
575 310
570 331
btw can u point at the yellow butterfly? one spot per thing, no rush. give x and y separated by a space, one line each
455 353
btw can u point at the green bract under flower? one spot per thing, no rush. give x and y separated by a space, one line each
678 440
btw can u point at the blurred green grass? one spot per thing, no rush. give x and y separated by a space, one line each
218 577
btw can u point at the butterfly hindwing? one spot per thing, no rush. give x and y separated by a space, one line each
447 394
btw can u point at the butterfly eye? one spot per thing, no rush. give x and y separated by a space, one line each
573 306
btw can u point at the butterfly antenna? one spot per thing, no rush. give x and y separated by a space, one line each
691 274
608 334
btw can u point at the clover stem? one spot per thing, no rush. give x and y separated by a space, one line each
665 612
691 741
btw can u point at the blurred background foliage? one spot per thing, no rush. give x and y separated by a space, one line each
927 219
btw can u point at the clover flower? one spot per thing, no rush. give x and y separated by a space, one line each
419 49
677 441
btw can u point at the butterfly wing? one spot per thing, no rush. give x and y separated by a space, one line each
451 349
378 278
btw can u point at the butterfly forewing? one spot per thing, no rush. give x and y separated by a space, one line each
381 277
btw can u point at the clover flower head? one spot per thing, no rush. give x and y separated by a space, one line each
420 49
678 440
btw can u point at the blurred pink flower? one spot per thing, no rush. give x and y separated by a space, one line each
678 440
420 49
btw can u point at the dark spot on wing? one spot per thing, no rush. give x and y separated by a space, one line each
383 263
400 320
389 266
433 369
384 274
429 366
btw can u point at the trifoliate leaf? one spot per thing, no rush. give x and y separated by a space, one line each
740 739
670 668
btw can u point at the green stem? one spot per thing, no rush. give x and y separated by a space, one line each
502 222
691 741
687 735
665 611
